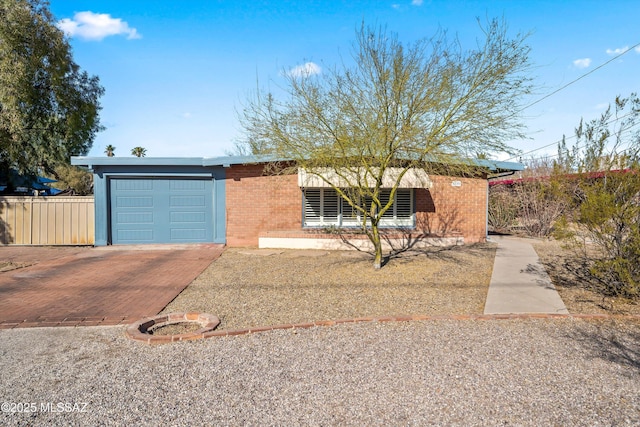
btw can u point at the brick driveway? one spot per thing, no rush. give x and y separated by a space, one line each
95 286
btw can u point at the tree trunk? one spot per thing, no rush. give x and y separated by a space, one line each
377 246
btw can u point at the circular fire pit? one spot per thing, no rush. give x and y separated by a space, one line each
143 330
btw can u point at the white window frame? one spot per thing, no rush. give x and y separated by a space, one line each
318 209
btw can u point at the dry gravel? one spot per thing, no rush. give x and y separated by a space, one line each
460 373
454 373
262 287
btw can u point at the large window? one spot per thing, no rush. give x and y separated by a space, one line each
324 207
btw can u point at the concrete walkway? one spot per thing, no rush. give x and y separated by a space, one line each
519 283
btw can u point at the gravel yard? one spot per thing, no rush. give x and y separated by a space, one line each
460 373
567 372
262 287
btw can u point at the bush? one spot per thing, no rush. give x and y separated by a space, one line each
531 206
605 162
541 203
609 218
503 209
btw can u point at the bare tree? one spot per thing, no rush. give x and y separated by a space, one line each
543 196
360 128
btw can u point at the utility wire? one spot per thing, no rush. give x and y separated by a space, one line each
625 133
580 78
613 120
564 87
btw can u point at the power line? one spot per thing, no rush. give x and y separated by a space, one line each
579 78
564 87
540 148
613 120
624 133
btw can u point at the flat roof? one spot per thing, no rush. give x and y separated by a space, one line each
166 161
227 161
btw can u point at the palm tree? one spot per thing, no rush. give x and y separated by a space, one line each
109 149
139 152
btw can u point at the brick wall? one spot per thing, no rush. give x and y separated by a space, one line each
257 203
446 210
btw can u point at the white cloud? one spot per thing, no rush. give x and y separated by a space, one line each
96 26
305 70
617 51
582 63
416 2
186 115
637 49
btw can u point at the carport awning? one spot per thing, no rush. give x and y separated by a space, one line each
344 178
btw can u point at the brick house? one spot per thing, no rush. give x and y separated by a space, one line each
232 200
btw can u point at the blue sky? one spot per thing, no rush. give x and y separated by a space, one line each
176 71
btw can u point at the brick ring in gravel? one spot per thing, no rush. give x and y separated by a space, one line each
142 329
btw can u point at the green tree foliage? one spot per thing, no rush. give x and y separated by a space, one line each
394 106
139 151
48 106
73 180
109 150
608 214
607 143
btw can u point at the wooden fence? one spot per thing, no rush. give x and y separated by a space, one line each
61 220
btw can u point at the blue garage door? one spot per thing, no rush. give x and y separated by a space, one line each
158 210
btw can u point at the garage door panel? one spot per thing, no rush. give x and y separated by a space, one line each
186 185
136 236
134 202
187 201
188 234
135 218
187 217
134 184
161 210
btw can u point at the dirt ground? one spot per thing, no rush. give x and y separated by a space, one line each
260 287
574 287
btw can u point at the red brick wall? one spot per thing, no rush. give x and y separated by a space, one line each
257 203
447 210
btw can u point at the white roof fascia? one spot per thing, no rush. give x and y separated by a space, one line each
413 178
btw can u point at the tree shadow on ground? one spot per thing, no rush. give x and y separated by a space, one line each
408 245
574 272
458 254
616 342
540 274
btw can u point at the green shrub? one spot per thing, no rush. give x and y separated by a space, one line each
609 217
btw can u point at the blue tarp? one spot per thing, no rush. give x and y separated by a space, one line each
27 185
